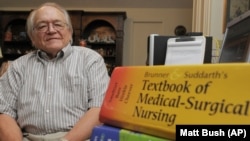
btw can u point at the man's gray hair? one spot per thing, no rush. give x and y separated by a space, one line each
30 20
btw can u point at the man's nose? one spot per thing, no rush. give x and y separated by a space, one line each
51 27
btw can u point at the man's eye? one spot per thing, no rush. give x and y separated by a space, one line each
58 24
39 27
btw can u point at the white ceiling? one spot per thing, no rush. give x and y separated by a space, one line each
12 4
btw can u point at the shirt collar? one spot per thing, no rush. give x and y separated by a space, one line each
64 53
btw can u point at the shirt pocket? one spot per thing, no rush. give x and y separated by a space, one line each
77 95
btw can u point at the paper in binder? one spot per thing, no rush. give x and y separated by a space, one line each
185 50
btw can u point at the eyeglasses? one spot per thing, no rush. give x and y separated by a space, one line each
44 26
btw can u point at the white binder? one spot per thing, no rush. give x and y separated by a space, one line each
185 50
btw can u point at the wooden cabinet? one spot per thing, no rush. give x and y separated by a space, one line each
15 41
76 16
103 32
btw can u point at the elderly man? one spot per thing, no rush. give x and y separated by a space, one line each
55 92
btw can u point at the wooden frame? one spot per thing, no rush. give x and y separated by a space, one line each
233 9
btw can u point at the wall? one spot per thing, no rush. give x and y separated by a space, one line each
216 28
217 17
144 22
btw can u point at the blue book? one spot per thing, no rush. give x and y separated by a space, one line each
105 133
110 133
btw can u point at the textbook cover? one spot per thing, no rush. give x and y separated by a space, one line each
154 99
105 133
127 135
110 133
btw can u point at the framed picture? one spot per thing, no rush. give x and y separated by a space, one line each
233 9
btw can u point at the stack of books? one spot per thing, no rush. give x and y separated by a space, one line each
112 133
148 102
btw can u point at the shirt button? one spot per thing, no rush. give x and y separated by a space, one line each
47 111
50 77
